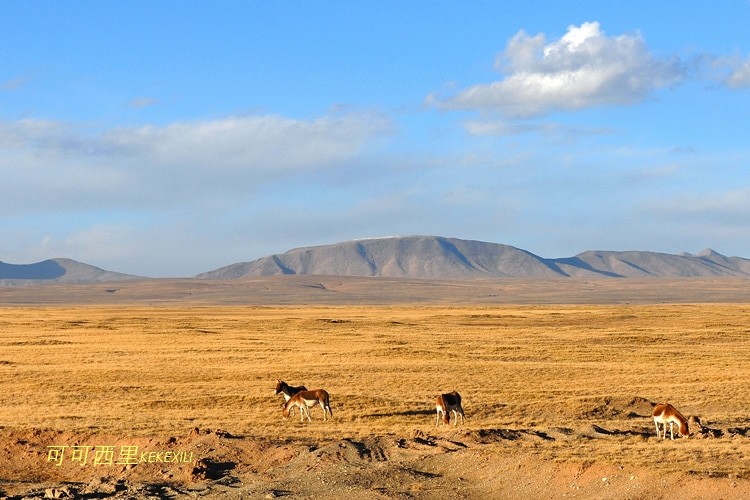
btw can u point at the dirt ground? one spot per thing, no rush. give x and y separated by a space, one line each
448 462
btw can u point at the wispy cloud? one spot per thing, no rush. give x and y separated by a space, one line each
65 164
724 207
583 69
739 78
14 83
504 128
143 102
258 143
731 71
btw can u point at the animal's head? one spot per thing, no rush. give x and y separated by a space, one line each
684 430
446 418
285 412
279 384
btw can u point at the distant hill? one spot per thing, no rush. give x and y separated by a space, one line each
57 271
434 257
417 257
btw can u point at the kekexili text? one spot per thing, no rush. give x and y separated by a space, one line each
113 455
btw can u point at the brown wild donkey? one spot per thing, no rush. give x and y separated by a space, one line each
447 403
664 414
304 400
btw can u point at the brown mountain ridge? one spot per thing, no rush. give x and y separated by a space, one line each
435 257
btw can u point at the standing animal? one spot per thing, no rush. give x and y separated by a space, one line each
304 400
287 390
447 403
664 414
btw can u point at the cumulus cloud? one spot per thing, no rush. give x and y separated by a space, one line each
583 69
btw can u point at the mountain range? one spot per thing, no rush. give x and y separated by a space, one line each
419 257
434 257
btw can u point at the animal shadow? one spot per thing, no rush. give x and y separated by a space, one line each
486 436
156 490
206 468
617 432
406 413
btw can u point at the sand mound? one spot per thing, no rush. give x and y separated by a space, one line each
620 408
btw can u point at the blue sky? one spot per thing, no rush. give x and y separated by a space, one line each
173 138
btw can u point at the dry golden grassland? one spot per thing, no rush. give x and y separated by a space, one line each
571 373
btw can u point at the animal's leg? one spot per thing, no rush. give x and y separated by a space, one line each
287 397
308 414
671 430
656 424
460 411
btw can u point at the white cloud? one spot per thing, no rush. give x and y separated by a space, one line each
740 76
143 102
116 241
257 143
584 68
729 70
14 83
503 128
64 165
730 207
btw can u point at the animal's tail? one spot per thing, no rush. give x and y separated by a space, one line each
328 405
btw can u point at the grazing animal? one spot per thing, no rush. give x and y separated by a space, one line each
447 403
664 414
287 391
304 400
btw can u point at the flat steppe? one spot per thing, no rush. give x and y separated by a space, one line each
557 395
348 290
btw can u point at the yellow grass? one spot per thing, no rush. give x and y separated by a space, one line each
139 371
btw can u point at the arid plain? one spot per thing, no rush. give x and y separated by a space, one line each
557 388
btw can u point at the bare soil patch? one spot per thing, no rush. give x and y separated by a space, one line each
305 290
